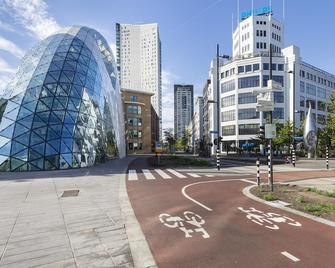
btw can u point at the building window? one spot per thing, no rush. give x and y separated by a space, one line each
266 66
228 101
249 113
248 129
302 101
310 89
321 106
274 67
244 98
228 86
321 119
302 86
134 109
280 67
134 122
278 96
321 93
311 103
133 98
278 113
248 68
247 82
277 78
257 44
228 116
255 67
228 130
240 69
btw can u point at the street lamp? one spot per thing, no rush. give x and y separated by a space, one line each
293 119
218 102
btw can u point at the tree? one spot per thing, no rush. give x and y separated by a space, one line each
284 135
170 139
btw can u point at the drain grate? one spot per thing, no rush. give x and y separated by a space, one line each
70 193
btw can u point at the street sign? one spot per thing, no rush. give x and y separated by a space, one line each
213 132
270 131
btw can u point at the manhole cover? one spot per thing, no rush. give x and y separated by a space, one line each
70 193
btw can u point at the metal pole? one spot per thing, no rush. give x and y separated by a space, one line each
293 120
327 157
270 144
218 107
258 175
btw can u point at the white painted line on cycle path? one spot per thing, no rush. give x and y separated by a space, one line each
249 181
179 175
290 256
132 175
147 174
183 191
162 174
193 175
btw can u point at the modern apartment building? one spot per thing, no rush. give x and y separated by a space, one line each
183 108
248 70
141 122
138 57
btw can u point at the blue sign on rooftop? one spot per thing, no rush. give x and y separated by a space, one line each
257 12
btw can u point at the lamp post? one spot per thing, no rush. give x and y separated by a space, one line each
293 118
218 102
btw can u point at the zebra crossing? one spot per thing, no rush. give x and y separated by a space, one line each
153 174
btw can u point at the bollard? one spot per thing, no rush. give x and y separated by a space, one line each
293 157
217 159
269 167
327 157
258 177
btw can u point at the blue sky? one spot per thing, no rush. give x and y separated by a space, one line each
189 31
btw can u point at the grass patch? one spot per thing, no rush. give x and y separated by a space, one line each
269 197
325 193
181 161
300 199
319 208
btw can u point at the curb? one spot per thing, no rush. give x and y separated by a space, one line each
140 251
246 192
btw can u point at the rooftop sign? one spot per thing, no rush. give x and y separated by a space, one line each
260 11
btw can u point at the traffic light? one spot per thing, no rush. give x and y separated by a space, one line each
216 141
220 139
262 132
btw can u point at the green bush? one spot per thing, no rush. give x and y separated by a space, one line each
269 197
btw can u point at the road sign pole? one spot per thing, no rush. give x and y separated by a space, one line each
327 157
258 175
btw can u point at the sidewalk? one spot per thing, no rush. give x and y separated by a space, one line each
44 222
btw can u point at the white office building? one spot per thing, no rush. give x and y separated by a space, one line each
248 70
183 108
138 56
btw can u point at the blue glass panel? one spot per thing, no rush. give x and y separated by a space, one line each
7 132
39 148
23 155
55 144
19 129
41 132
24 139
52 134
38 163
64 148
17 147
49 150
31 106
15 163
5 150
35 139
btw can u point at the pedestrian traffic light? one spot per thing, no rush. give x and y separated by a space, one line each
220 139
216 141
262 132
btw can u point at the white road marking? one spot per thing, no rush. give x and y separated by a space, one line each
209 176
193 175
183 191
252 182
290 256
132 175
147 174
179 175
162 174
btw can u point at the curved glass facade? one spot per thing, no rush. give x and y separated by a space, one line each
63 108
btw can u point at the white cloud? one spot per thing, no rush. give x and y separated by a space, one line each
33 16
168 80
10 47
4 80
5 68
7 27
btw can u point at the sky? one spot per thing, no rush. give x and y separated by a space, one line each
189 32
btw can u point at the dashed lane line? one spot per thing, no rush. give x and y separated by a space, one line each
147 174
249 181
193 175
163 174
209 176
132 175
177 174
290 256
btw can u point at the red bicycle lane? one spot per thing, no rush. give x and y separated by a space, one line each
234 240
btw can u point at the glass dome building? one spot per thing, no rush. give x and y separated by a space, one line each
63 108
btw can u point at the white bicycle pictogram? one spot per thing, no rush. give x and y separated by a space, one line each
191 220
269 220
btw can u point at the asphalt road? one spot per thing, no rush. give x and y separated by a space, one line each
194 220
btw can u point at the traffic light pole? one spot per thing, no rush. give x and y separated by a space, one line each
270 175
218 108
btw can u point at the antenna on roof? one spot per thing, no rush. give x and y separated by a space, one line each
232 24
252 7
